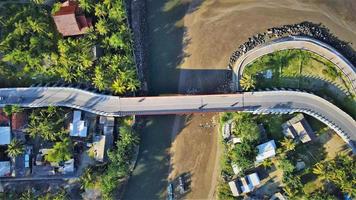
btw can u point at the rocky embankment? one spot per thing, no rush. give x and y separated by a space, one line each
317 31
139 27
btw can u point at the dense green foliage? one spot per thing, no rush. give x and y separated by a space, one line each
61 195
242 154
61 151
33 51
48 123
340 171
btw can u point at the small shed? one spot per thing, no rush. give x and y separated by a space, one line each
78 127
234 188
266 150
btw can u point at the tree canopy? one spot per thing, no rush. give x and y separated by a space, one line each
15 148
61 151
47 123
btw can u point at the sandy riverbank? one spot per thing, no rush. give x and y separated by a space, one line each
215 28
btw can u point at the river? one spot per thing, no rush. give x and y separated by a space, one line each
149 179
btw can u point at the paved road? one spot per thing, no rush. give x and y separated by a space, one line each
305 43
259 102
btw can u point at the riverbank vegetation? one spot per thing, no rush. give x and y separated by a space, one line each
107 178
300 69
32 51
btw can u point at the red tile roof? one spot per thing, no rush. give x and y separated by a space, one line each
69 20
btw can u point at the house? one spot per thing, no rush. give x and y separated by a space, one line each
5 168
266 150
70 20
244 185
101 143
298 127
78 127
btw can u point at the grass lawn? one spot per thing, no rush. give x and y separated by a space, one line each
300 69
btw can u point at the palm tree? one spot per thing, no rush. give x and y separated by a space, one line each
15 148
10 109
267 163
100 10
20 28
288 144
320 170
38 1
102 26
247 82
35 25
132 85
86 5
118 86
289 191
98 79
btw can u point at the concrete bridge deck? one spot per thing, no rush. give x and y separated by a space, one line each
257 102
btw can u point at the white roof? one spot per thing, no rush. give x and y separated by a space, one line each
5 168
249 182
5 135
266 150
235 168
78 127
234 190
245 187
254 179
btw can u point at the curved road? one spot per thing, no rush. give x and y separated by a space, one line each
258 102
296 42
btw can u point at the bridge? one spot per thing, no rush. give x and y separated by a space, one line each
274 102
